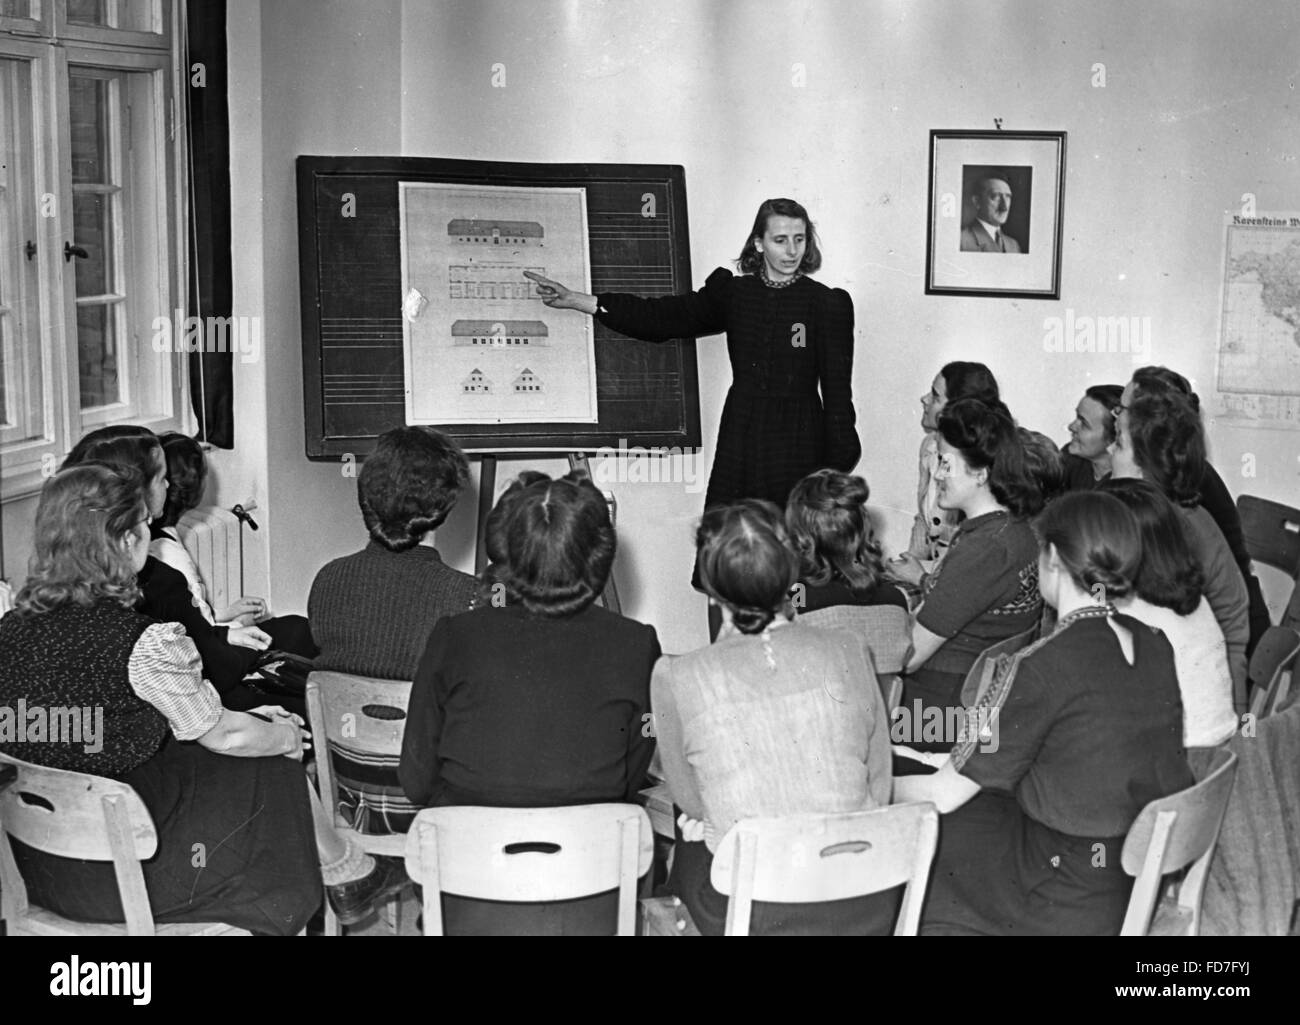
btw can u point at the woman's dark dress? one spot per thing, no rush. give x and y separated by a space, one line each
1083 742
784 343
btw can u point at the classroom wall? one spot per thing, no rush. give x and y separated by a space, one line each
1176 136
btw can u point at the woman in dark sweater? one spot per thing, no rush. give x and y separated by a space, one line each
540 698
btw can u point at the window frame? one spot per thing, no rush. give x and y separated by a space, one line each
24 465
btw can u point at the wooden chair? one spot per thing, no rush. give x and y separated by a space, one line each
803 859
888 630
1272 533
1169 835
1270 666
530 855
981 673
365 717
76 815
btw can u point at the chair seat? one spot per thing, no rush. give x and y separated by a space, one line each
1171 919
39 922
666 916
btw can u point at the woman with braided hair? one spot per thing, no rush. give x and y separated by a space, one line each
776 718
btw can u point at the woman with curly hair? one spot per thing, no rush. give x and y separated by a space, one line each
540 698
776 718
985 589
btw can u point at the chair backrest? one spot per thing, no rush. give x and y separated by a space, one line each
1171 833
530 855
887 629
1273 656
800 859
76 815
359 714
1272 533
986 663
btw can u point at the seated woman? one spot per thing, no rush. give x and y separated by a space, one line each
1160 439
228 652
986 588
187 474
776 718
72 641
1212 493
934 525
1092 432
372 612
1044 464
1167 595
839 559
539 699
1086 729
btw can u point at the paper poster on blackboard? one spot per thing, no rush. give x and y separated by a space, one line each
481 348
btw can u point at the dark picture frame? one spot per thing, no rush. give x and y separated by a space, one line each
996 211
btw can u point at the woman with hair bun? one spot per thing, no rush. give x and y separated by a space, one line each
540 698
776 718
985 589
1167 595
1075 739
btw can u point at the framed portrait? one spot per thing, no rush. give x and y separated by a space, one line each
996 205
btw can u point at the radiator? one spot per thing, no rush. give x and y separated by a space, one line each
211 535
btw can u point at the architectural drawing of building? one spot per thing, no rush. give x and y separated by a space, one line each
491 281
476 383
527 383
478 231
500 333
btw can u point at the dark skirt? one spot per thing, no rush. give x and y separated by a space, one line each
235 845
873 915
998 872
934 690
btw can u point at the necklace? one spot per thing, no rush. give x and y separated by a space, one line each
762 274
1087 612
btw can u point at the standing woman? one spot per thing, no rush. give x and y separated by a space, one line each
790 340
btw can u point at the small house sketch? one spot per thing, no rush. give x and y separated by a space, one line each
527 383
476 383
500 333
483 231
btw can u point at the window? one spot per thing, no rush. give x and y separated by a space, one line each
90 178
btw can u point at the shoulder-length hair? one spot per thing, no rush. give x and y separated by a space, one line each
750 260
1153 378
1169 575
409 484
551 544
1168 443
83 517
1096 538
987 439
826 517
125 445
187 473
746 562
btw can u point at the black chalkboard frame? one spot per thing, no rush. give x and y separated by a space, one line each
504 439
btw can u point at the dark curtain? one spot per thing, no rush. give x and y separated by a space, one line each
211 386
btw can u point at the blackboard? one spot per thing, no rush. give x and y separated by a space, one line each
350 266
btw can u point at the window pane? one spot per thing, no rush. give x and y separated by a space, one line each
97 355
92 229
88 110
88 12
16 9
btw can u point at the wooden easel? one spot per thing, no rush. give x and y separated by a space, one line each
487 486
